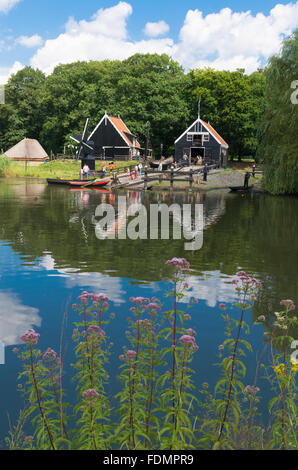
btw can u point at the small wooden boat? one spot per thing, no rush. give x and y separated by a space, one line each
241 188
93 183
80 183
165 163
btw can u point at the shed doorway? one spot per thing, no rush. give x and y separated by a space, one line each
197 152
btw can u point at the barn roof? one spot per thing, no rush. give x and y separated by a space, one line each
120 127
124 131
27 149
210 129
214 133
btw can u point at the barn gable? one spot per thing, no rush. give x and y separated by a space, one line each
201 140
113 140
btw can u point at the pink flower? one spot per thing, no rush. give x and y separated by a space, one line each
153 306
30 337
288 302
187 339
121 357
49 355
179 263
222 306
91 393
191 332
251 389
187 316
131 354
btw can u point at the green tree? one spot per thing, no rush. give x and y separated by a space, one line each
21 115
278 133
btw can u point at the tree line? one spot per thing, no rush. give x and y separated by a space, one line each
146 90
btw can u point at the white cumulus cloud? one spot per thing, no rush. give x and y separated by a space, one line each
224 40
15 318
105 36
30 41
6 72
156 29
6 5
234 39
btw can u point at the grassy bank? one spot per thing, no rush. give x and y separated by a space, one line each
54 169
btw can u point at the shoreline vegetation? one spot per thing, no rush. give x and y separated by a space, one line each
159 407
71 169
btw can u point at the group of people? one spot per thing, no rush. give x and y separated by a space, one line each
104 168
137 172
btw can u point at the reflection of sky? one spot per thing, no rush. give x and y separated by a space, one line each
97 281
15 318
213 287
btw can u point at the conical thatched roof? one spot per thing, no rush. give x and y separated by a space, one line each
27 149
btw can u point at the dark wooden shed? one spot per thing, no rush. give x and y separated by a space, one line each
113 140
202 140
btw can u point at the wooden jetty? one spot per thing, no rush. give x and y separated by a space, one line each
149 176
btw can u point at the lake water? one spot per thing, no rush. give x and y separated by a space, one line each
49 253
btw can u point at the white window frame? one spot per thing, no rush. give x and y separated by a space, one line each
189 137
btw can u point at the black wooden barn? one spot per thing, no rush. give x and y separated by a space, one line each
201 140
112 140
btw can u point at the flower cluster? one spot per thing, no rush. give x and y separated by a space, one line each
49 355
180 264
251 390
91 393
280 369
288 303
30 337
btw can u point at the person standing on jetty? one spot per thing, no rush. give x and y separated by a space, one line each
253 170
246 179
104 169
86 170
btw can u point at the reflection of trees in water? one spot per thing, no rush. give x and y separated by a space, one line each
256 233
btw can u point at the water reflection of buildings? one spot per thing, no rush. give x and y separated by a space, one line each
214 206
15 318
30 193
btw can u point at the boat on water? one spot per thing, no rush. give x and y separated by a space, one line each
98 183
166 163
241 188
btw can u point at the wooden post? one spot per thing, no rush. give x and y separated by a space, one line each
146 179
172 177
190 179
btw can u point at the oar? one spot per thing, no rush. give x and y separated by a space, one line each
89 184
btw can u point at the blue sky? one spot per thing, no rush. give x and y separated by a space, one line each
221 34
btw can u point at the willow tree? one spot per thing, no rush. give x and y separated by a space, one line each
279 131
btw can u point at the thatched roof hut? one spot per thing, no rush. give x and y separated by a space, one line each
29 151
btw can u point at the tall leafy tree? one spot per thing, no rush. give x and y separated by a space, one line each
21 115
278 134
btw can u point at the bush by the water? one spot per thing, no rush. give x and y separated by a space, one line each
4 164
